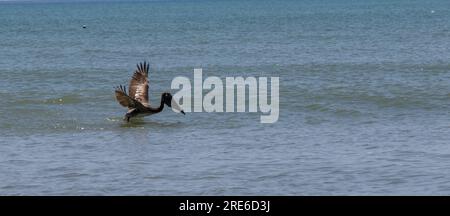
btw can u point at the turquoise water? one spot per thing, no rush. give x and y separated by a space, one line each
364 98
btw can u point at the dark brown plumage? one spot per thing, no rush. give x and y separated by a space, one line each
137 101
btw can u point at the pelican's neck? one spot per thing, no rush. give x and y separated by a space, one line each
161 106
157 109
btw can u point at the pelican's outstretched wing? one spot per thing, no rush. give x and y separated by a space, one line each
139 84
125 100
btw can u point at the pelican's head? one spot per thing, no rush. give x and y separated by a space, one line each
170 102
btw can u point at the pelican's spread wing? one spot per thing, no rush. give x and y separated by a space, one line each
139 84
125 100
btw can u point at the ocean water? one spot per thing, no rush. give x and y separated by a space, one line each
364 98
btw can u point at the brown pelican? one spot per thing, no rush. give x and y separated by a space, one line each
137 100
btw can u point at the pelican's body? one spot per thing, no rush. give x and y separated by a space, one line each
137 101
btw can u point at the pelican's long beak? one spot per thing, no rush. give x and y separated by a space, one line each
175 107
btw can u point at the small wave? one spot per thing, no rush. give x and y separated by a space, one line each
317 107
132 125
143 123
348 112
332 109
378 99
114 119
66 99
69 175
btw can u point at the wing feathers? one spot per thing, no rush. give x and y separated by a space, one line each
123 98
138 89
139 83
